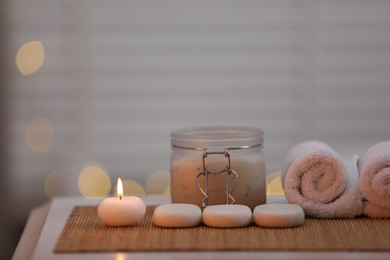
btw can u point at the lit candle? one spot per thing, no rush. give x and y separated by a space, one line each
121 211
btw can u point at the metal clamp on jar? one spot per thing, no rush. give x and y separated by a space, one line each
218 165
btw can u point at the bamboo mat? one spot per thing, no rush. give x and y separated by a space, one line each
84 232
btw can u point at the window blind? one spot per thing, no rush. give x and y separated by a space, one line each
119 76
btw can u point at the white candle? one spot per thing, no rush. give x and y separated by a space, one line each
121 211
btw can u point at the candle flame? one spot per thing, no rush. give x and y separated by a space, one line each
119 188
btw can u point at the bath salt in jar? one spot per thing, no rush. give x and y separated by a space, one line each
218 165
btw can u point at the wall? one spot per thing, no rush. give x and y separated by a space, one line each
118 76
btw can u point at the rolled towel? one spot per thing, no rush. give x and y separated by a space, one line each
317 179
374 168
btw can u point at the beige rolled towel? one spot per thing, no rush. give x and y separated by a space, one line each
317 179
374 169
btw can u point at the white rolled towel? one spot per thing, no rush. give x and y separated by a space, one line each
374 169
317 179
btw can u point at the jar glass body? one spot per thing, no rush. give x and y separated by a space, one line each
247 160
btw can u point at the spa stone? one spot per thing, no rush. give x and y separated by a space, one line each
177 215
227 216
278 215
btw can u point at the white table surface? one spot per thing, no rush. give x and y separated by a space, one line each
60 208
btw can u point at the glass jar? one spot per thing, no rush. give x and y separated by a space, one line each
218 165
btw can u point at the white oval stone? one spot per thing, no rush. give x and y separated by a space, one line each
278 215
178 215
227 216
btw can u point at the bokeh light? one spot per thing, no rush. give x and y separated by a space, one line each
274 184
30 57
167 191
157 182
131 188
94 181
120 256
54 184
39 135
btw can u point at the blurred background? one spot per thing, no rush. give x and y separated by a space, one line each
91 89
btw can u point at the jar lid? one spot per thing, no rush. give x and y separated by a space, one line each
217 137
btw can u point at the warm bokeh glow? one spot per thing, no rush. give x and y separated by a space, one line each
54 184
39 135
119 188
274 184
94 182
120 256
167 191
157 182
30 57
